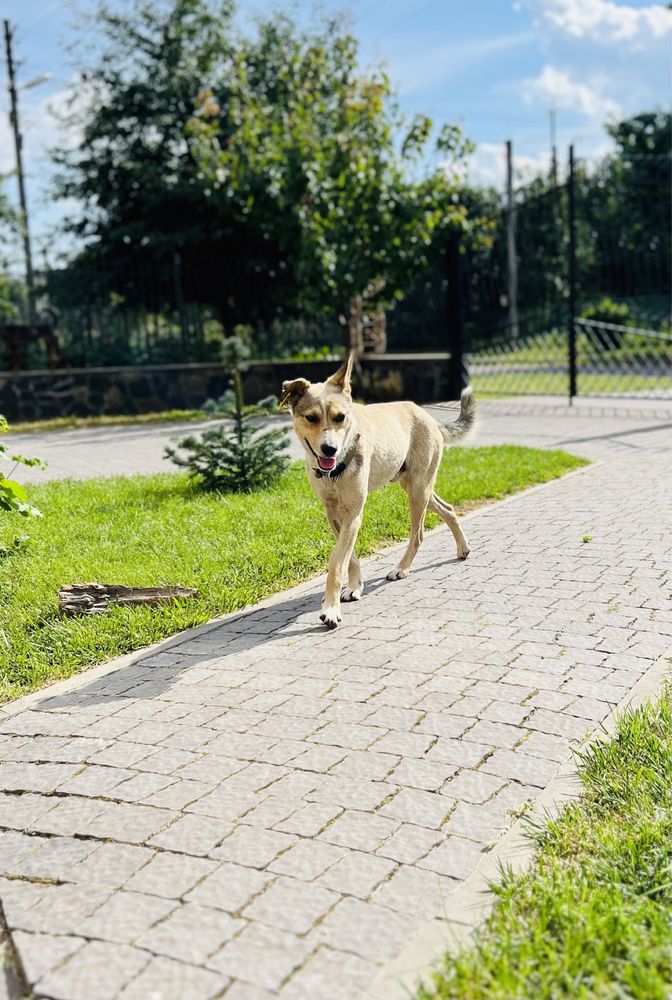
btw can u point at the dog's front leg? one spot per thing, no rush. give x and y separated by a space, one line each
338 563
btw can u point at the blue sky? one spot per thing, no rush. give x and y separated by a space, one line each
494 66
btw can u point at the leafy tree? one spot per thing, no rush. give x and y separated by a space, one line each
321 145
236 457
144 198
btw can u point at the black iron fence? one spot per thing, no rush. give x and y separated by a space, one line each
564 291
586 309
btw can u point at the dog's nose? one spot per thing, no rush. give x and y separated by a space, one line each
328 451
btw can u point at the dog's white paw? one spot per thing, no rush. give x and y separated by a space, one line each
331 616
398 573
463 549
352 593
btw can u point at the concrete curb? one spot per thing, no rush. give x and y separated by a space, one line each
308 586
471 903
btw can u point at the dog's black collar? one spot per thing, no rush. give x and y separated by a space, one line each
339 469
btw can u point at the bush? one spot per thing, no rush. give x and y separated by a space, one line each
236 457
13 497
607 311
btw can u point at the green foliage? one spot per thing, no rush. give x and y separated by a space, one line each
320 144
13 496
279 170
235 548
591 919
237 456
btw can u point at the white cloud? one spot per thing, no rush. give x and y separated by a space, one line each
555 87
605 21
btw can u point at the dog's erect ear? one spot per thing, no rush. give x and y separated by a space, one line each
341 378
292 391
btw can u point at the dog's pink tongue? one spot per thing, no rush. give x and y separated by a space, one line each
326 463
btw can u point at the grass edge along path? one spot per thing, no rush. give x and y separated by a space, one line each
592 917
236 549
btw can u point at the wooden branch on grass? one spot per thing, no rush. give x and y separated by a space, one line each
94 598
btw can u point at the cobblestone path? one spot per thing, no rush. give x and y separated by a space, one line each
264 809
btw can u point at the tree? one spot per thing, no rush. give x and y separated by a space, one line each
321 145
143 196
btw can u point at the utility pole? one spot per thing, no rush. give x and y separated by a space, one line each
18 143
552 114
511 258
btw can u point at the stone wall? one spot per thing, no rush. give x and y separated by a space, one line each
39 395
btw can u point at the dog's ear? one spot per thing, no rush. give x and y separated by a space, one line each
292 391
341 378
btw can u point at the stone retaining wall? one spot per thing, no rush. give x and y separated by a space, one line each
38 395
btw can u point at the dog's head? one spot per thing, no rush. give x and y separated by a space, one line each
322 414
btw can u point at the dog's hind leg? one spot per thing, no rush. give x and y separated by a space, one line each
447 514
355 587
418 498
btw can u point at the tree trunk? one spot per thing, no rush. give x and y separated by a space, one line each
94 598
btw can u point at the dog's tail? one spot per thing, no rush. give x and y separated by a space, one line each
459 428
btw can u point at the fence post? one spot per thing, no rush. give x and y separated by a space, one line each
571 326
511 258
181 307
458 375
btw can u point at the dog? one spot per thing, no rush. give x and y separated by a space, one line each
352 450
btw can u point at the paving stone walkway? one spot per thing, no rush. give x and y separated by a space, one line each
264 809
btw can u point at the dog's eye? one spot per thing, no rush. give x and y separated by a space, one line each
312 419
339 418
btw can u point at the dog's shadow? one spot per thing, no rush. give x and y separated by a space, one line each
278 623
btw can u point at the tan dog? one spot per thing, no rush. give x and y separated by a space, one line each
352 450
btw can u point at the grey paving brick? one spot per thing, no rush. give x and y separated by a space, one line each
330 975
252 846
417 892
307 859
40 953
170 875
310 819
126 915
129 823
63 906
229 888
521 766
110 865
423 774
291 905
261 956
409 843
357 874
366 929
192 835
191 933
360 831
474 786
98 970
496 733
171 980
350 792
456 857
421 808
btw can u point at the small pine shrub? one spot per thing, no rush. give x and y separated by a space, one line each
238 456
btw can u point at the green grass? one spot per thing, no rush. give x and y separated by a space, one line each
503 383
107 420
592 920
235 549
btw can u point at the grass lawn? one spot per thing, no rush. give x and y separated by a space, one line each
236 549
593 917
107 420
517 383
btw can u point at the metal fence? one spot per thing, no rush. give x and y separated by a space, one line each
586 309
564 291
